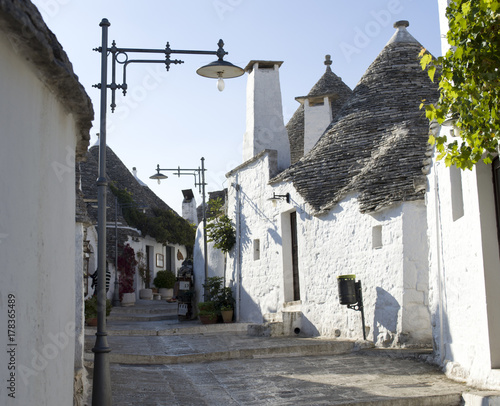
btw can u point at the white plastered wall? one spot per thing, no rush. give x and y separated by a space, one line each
464 267
37 235
464 279
393 273
215 263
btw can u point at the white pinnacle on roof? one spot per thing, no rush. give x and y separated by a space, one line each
401 34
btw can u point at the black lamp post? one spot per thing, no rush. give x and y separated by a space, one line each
200 172
101 391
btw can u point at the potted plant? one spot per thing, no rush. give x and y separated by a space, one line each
207 313
91 310
226 304
227 314
126 266
221 296
165 281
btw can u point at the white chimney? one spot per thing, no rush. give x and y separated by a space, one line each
189 212
265 128
134 171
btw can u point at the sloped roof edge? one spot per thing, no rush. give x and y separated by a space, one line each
24 27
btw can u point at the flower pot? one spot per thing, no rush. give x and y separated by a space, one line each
208 319
227 315
91 322
166 293
146 294
128 299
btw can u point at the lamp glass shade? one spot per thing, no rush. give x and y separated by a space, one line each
158 176
220 85
220 69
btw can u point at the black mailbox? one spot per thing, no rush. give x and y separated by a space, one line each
347 289
350 294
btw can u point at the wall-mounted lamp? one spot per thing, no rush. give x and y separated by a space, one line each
450 121
276 197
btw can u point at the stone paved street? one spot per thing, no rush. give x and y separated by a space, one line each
160 361
317 380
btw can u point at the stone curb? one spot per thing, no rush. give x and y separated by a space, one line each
303 349
142 317
177 329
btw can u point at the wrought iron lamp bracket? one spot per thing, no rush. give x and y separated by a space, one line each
121 56
182 171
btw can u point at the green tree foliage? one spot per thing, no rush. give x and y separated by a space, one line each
164 225
469 83
220 230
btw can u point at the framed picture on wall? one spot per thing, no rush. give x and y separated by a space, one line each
159 260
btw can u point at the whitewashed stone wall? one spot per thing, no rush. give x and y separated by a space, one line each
215 263
80 371
464 267
37 237
394 275
465 281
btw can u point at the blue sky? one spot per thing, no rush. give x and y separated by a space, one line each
175 118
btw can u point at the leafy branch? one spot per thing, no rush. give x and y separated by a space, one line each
220 230
469 82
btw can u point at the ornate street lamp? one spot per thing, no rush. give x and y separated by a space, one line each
101 391
200 172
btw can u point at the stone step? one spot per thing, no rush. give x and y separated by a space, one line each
153 308
476 398
169 327
140 317
194 348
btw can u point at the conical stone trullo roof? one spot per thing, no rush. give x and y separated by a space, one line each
328 85
377 145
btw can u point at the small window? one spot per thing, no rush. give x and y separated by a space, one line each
256 249
457 200
377 237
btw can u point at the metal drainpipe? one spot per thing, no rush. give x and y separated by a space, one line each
439 259
238 247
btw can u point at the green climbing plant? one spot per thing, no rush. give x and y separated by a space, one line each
164 225
469 82
220 230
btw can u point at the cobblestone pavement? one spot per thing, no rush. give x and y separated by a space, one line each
164 362
317 380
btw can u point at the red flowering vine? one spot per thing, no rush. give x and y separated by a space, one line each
126 266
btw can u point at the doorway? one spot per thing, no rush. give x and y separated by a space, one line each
291 274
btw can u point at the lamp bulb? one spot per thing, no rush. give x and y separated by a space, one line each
220 84
159 181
